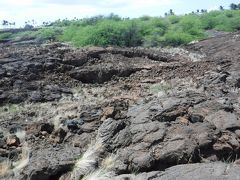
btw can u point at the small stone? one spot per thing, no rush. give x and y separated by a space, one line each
107 113
224 138
234 143
237 84
222 147
224 120
219 69
3 152
237 132
44 133
237 162
2 143
13 140
196 118
74 125
182 120
213 158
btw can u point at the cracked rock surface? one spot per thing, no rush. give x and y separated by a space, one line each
165 113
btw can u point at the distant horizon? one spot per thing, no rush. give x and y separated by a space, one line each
52 10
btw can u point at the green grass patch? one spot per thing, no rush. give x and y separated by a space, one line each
4 36
10 108
161 87
26 35
43 34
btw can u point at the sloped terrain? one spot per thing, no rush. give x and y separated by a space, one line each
162 113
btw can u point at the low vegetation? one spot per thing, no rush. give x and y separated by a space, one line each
42 34
112 30
147 31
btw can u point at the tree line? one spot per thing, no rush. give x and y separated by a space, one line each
32 23
6 23
235 6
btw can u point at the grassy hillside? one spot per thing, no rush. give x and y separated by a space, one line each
144 31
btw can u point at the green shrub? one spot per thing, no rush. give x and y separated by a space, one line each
221 20
104 33
176 38
26 35
153 26
229 14
174 19
191 24
208 23
61 23
76 35
48 34
145 18
154 38
223 23
209 19
4 36
113 30
131 34
235 23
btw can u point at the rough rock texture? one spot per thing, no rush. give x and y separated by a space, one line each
196 171
165 113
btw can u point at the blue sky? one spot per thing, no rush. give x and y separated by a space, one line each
20 11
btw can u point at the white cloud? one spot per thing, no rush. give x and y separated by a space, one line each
213 8
15 5
21 3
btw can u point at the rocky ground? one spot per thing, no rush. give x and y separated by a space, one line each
117 113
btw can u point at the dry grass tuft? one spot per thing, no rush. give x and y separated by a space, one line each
105 171
10 167
5 168
21 135
23 162
109 162
87 162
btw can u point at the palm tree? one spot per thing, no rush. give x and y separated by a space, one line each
238 6
233 6
5 23
33 22
203 11
171 12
